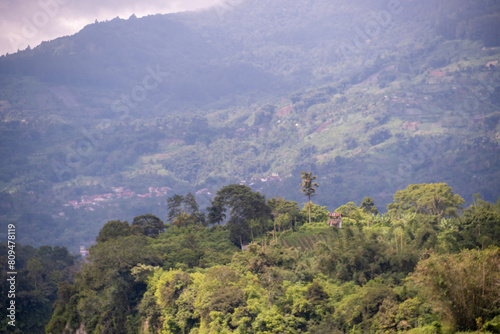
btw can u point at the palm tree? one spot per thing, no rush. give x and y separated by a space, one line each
308 189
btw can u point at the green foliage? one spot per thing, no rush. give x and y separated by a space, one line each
479 226
408 106
107 292
39 273
308 188
315 107
351 210
465 285
192 279
317 214
493 325
149 225
368 206
242 202
286 214
114 229
380 136
308 185
244 206
184 211
433 199
174 206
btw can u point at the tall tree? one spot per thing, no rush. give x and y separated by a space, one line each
308 187
216 213
368 206
432 199
244 205
190 204
286 212
479 226
184 210
174 206
114 229
150 225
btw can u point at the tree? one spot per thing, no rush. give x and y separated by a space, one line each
479 226
368 206
317 213
174 206
241 201
107 291
244 205
427 198
190 204
151 225
40 271
239 231
465 285
184 210
216 214
283 221
36 272
308 187
114 229
285 212
183 219
351 210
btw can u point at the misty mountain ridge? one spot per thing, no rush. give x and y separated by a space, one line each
251 45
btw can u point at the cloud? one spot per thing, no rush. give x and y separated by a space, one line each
28 22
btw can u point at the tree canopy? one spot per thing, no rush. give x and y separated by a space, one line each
149 225
114 229
244 206
429 198
368 206
414 271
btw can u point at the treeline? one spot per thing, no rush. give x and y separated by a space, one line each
426 266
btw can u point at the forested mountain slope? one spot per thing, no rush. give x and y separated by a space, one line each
370 96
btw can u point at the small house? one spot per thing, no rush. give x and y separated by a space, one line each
84 252
335 219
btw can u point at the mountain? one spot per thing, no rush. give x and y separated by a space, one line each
368 95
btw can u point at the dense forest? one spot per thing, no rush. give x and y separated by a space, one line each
94 125
257 265
168 151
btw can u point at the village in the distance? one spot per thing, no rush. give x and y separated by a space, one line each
99 201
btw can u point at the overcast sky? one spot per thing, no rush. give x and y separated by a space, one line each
29 22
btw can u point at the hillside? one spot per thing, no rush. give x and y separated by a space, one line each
369 96
427 266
